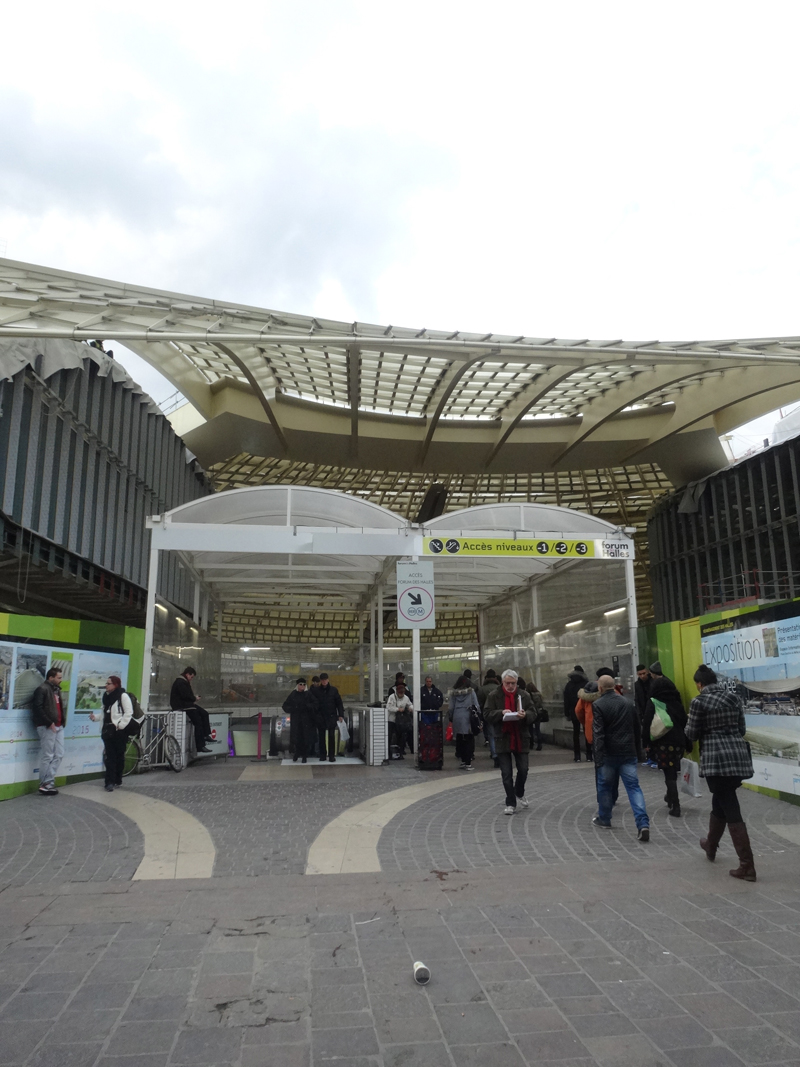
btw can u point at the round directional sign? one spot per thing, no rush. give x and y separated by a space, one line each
414 605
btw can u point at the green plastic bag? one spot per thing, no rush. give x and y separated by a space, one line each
661 723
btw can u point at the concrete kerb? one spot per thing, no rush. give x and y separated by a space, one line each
348 844
176 844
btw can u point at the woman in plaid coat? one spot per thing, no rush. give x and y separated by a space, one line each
716 720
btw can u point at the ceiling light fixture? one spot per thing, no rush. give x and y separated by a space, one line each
614 611
576 623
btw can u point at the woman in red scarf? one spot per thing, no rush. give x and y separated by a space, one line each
510 713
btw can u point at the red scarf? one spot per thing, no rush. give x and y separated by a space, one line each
511 729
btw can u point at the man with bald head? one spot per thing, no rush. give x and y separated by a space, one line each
617 751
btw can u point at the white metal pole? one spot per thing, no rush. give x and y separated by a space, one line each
633 618
361 618
149 628
372 651
416 681
196 607
379 694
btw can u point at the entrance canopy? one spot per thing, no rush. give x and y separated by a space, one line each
313 548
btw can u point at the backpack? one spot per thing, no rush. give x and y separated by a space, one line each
138 714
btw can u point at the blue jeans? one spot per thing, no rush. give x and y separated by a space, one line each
488 733
614 768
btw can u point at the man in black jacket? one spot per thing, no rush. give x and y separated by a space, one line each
576 680
617 749
49 716
301 708
182 698
330 710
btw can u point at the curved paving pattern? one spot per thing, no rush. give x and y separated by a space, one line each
63 838
467 828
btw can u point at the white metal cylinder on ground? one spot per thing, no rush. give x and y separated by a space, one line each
416 682
380 681
149 628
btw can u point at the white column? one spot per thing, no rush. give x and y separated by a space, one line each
633 618
361 618
196 607
372 651
380 679
417 683
149 628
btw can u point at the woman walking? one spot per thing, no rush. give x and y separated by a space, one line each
666 750
117 714
464 709
716 720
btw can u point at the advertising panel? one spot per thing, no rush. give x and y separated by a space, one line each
24 664
758 656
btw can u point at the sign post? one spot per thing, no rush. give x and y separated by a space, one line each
416 610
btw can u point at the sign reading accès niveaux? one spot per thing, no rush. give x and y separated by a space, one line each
416 604
546 546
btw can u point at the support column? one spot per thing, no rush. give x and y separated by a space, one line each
149 628
361 624
633 617
196 607
417 683
372 666
380 681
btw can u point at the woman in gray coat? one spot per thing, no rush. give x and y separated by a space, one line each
462 704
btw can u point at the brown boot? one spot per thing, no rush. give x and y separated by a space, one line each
741 842
716 828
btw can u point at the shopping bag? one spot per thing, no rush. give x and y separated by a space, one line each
449 735
690 777
661 721
344 733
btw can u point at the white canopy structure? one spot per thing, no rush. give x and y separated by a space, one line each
258 545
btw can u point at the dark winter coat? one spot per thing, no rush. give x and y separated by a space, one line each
641 692
329 705
431 699
493 714
43 705
302 705
575 682
616 728
181 695
666 691
486 690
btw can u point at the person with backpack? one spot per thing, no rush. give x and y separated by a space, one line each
117 718
663 725
465 715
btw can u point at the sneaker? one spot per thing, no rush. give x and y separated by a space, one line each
485 744
577 759
468 767
109 788
48 791
204 749
599 822
523 802
509 810
463 766
644 834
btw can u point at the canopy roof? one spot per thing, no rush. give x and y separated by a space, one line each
290 559
270 383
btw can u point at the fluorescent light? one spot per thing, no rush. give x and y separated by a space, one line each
447 648
615 611
161 607
576 623
325 648
396 648
539 633
252 648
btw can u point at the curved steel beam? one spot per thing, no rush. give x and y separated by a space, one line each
254 385
452 376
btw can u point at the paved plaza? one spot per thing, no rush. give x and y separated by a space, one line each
549 941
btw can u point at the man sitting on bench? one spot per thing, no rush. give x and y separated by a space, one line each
182 698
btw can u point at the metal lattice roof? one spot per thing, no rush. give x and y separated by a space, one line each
391 398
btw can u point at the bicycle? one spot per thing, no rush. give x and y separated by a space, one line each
158 749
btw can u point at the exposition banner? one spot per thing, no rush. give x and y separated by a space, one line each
24 664
757 655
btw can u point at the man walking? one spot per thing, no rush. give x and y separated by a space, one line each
617 749
576 680
511 709
330 711
49 717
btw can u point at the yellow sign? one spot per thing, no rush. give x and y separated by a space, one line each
540 547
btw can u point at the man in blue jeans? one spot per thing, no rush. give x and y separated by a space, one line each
617 750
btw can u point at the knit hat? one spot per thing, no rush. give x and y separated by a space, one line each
655 668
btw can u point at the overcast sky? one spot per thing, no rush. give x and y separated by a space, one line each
614 170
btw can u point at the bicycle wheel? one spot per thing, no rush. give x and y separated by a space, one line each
172 753
133 753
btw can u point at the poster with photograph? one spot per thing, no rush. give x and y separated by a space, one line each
6 665
30 669
758 656
92 672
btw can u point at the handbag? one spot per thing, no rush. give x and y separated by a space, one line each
475 722
449 733
108 731
661 723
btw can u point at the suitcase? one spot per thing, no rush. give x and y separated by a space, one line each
431 747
